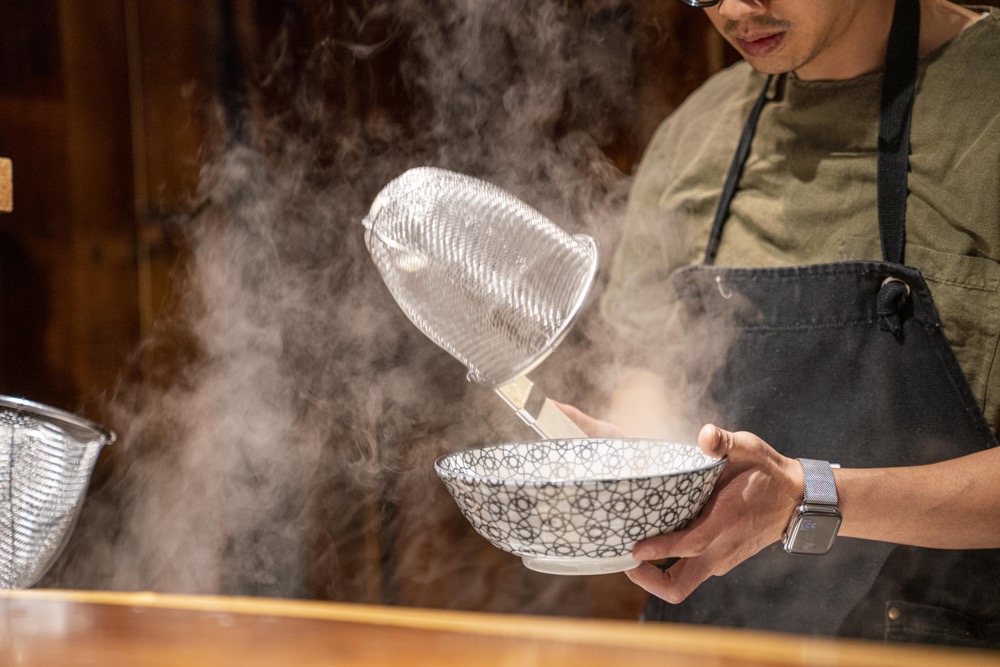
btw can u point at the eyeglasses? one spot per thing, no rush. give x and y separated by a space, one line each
701 3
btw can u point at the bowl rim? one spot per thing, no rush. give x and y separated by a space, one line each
574 481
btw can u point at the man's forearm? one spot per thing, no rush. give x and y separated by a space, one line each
954 504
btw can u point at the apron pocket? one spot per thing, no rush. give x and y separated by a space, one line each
966 293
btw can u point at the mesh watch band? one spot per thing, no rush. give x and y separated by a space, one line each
820 488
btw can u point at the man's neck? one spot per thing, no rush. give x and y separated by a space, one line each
858 49
940 22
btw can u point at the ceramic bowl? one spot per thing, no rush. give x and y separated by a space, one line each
579 506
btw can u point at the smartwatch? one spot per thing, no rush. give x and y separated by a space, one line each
815 522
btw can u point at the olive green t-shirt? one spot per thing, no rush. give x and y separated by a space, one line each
808 192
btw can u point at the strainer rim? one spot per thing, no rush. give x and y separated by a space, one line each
106 436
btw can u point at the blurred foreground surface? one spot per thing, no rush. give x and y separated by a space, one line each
143 629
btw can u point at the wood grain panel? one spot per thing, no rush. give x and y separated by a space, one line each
106 109
6 185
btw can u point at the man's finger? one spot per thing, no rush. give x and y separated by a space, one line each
691 541
675 583
594 428
711 442
738 446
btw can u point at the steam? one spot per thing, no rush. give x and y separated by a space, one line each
287 450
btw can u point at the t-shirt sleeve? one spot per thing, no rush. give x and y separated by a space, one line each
661 232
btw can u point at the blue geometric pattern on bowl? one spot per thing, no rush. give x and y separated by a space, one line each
579 506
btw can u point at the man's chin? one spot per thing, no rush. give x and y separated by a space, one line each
770 65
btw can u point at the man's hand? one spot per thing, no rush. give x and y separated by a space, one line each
748 510
594 428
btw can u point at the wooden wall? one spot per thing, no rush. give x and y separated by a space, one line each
104 111
106 108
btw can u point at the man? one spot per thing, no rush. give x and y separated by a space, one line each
852 258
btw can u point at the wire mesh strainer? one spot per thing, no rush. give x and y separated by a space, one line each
485 276
46 458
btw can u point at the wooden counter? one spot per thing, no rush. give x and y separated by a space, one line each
69 628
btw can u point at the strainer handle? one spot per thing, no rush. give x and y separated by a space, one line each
534 407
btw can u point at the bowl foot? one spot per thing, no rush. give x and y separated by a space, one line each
577 566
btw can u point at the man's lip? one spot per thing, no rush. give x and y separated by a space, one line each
760 45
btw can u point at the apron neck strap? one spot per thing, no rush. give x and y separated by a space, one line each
735 170
895 112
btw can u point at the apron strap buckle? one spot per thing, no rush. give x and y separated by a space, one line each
893 296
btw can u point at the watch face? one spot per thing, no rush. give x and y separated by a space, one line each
813 530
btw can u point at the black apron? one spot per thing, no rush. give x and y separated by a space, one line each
846 362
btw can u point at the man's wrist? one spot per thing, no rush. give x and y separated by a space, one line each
814 524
